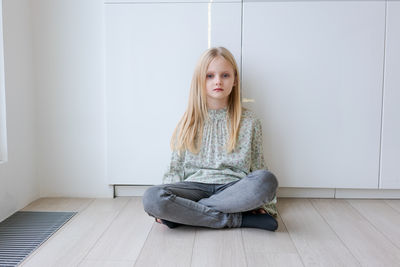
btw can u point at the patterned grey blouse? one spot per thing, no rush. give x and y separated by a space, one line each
213 164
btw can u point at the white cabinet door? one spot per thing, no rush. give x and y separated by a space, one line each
390 162
315 70
151 52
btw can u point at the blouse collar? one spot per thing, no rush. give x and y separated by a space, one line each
217 113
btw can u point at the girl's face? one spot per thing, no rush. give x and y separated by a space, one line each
220 79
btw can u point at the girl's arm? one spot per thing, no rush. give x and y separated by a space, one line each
257 154
175 171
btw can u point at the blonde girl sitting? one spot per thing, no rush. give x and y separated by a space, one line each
217 177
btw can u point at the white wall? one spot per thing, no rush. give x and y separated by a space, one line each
68 45
54 71
3 129
18 183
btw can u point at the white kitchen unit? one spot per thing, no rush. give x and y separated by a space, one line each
151 52
390 162
315 70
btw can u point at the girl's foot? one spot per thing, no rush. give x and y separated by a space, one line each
257 211
261 221
167 223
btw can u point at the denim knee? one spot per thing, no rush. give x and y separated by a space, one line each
151 199
270 179
268 183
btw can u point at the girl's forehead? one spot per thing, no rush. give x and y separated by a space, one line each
219 63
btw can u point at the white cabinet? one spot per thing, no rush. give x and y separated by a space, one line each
151 52
315 70
390 175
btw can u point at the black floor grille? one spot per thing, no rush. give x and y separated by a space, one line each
24 231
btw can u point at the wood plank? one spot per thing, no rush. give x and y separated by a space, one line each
125 237
315 241
394 203
72 242
106 263
265 248
59 204
218 247
385 219
167 247
370 247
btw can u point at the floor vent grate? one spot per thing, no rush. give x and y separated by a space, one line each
24 231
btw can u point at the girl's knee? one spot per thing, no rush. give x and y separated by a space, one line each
150 198
270 179
267 186
153 199
266 178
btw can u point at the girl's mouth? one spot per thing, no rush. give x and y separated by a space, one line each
218 89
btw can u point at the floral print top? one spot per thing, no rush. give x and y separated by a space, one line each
213 164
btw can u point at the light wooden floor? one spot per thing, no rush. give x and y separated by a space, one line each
312 232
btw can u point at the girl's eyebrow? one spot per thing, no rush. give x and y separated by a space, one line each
214 71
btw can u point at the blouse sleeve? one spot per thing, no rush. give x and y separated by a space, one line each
257 156
175 171
270 207
257 163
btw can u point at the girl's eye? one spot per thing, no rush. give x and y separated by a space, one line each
225 75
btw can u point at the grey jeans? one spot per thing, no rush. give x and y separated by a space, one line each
210 205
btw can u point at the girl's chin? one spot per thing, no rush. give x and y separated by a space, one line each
218 97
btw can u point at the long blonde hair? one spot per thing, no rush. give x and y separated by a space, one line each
189 131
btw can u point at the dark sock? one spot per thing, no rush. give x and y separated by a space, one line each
170 224
263 221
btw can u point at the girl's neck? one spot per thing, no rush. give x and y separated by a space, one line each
216 105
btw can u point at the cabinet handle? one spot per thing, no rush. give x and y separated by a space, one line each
248 99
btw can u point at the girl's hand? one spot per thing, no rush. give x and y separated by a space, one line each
258 211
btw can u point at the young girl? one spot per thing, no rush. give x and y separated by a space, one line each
217 177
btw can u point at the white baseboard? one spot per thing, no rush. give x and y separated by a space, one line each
138 190
130 190
306 192
368 193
